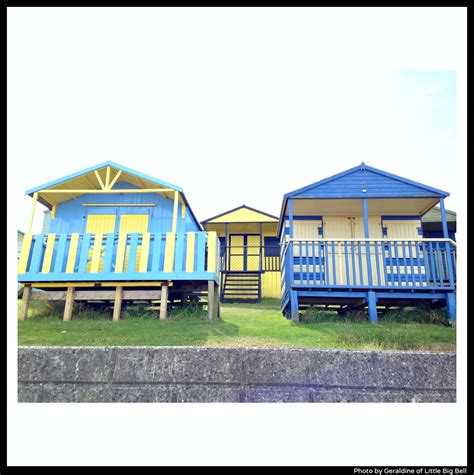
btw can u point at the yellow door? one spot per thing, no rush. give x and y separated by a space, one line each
133 223
236 253
253 253
99 224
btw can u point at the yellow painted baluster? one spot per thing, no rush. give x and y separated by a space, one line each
25 253
212 251
71 260
48 253
122 241
190 252
169 252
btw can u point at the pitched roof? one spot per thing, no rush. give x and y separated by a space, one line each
87 179
364 181
241 214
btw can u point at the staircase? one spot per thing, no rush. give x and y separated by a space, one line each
241 287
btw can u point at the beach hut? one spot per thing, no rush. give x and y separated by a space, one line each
355 239
249 253
118 234
432 223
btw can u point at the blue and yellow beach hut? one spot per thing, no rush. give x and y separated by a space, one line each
249 253
355 239
116 233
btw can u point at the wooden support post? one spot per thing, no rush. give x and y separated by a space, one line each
217 306
295 315
164 302
451 307
175 212
68 304
212 300
372 307
117 303
25 302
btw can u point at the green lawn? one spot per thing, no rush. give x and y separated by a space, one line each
241 325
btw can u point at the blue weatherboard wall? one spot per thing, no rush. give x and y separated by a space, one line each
71 216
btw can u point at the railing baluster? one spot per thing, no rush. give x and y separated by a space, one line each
314 263
418 263
307 264
84 255
354 272
60 253
132 256
405 268
412 264
384 264
361 271
334 279
397 263
377 263
439 258
434 272
346 259
109 252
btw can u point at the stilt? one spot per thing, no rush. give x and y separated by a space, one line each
218 302
211 299
164 302
451 307
295 316
117 303
372 307
68 304
25 301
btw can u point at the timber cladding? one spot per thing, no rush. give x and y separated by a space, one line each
193 374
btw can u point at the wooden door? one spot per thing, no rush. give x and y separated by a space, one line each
99 224
133 223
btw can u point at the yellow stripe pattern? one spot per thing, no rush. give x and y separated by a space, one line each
169 252
48 253
212 251
190 246
122 241
145 249
25 253
71 259
96 252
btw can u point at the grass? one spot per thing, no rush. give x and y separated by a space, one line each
240 325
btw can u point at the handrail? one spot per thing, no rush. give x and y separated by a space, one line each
372 240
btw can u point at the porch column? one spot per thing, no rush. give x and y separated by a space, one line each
226 248
175 212
293 295
367 244
443 219
451 296
32 214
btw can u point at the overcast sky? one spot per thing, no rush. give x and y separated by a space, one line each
234 106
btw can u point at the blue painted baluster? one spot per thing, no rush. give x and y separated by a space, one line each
84 253
307 264
156 252
397 263
313 244
361 273
418 263
300 260
390 263
383 249
333 259
132 256
60 253
108 253
434 270
346 259
201 252
428 271
405 268
354 272
412 264
179 254
439 258
37 254
377 263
